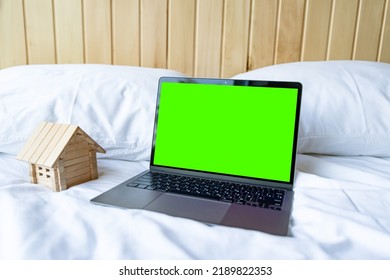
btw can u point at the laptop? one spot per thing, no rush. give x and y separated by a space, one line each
223 152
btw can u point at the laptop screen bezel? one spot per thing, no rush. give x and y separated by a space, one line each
225 177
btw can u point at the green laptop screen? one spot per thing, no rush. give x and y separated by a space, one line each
227 129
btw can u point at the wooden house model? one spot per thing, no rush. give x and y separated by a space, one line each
60 156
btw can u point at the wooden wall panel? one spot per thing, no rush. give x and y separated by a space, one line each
208 38
12 40
235 37
264 16
39 31
369 28
153 33
181 35
342 29
97 31
125 32
69 33
316 29
289 32
384 53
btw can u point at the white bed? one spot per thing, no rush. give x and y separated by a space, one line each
342 189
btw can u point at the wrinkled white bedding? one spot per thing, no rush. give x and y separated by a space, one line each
341 211
342 195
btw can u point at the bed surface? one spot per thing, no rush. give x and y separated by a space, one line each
342 188
334 217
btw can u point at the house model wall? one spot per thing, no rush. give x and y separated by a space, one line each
60 156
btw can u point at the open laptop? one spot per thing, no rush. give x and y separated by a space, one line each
223 153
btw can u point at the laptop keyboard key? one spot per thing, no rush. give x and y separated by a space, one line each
211 189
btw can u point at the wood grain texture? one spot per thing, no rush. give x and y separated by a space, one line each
29 145
33 143
58 148
97 31
93 165
153 33
316 29
50 146
69 33
44 143
208 43
289 33
204 38
342 29
262 36
126 32
12 40
40 33
369 27
181 36
235 37
384 53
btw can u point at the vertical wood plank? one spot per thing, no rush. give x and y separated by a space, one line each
93 165
57 150
208 38
181 36
262 33
125 29
203 37
154 33
369 30
60 130
384 53
97 31
288 42
235 37
30 142
34 143
40 31
41 148
342 31
316 29
53 179
69 33
33 173
12 40
60 175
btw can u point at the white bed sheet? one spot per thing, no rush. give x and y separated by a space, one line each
341 211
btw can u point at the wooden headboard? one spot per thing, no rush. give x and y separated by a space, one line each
210 38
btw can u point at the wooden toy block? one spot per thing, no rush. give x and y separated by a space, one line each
60 156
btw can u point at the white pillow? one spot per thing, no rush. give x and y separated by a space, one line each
115 105
345 105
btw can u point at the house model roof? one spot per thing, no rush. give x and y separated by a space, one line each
48 141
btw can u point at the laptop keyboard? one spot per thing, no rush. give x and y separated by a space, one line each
212 189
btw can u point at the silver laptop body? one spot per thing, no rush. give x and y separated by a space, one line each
223 153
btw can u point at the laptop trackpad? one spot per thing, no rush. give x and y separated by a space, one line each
187 207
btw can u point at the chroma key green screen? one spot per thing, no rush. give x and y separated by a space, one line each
227 129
